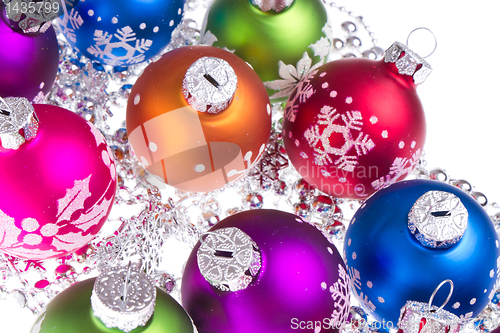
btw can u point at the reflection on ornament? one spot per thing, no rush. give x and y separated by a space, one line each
58 185
264 271
121 35
173 136
345 136
388 265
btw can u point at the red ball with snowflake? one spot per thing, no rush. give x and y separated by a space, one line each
356 125
58 180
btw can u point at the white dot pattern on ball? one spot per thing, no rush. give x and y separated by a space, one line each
199 168
99 19
333 94
369 284
381 299
401 145
325 85
354 256
32 239
42 84
492 273
413 144
456 305
385 134
49 230
142 26
349 242
90 12
179 12
348 100
29 224
137 99
473 301
171 23
156 29
373 120
323 285
297 143
322 74
114 20
330 250
153 147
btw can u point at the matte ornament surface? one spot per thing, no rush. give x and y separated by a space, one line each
192 150
71 311
354 126
28 63
303 278
389 266
57 189
121 35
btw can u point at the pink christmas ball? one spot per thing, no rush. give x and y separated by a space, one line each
28 62
57 188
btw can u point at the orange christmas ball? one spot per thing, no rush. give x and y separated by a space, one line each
198 118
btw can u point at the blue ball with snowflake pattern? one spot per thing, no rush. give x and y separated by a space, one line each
121 33
389 265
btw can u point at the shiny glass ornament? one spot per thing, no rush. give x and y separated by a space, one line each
295 278
191 131
354 126
121 33
389 266
28 63
264 37
57 187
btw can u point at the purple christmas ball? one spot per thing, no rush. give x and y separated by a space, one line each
28 62
265 271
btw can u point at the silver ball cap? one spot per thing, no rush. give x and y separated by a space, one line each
438 219
408 62
16 113
123 297
228 259
209 85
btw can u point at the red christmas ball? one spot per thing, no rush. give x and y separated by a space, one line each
353 126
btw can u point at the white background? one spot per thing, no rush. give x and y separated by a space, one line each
460 97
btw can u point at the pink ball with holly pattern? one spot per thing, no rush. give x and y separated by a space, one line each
58 186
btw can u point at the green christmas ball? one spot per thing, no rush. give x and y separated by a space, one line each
263 36
71 312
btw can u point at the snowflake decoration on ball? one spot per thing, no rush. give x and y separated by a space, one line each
321 141
107 47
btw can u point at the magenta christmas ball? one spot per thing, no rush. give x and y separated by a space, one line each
28 62
57 177
265 271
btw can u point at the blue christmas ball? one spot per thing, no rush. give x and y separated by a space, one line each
121 32
389 264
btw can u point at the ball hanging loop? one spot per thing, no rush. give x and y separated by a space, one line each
423 29
435 292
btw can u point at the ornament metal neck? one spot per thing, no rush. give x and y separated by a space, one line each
438 219
228 259
408 62
123 297
16 114
275 5
209 85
